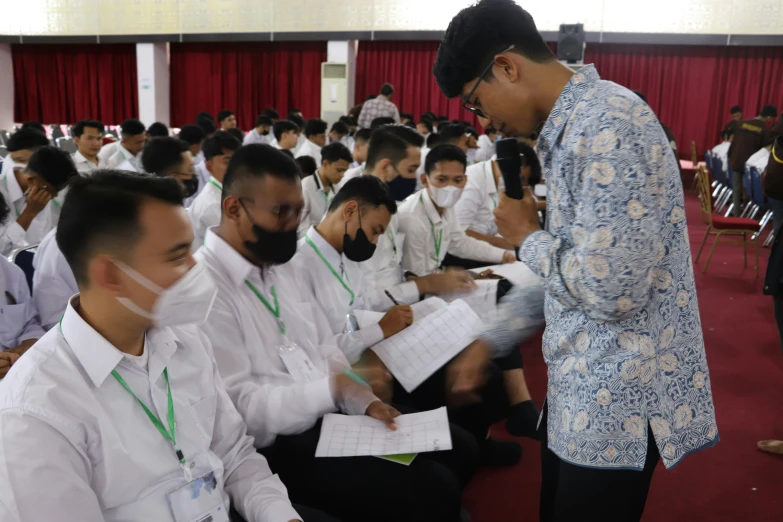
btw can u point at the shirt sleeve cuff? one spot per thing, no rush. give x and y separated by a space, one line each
320 394
535 252
409 292
280 511
371 335
358 403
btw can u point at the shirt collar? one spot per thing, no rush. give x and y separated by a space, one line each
429 207
78 157
125 153
328 251
319 184
236 267
14 190
564 106
99 357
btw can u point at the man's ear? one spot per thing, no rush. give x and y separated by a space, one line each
508 68
349 209
231 208
103 272
424 180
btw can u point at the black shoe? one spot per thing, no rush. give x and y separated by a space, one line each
523 420
499 453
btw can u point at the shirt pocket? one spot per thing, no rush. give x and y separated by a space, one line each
203 415
13 319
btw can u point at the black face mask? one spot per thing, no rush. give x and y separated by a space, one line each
276 247
359 249
190 186
264 133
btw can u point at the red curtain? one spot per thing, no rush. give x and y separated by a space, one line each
245 78
67 83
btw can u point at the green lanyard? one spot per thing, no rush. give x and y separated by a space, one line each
494 200
390 235
275 311
331 269
213 181
437 242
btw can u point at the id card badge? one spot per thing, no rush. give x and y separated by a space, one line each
200 500
298 363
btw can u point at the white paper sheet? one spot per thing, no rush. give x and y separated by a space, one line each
518 273
483 300
420 350
360 435
421 310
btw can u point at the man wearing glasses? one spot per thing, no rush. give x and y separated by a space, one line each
628 377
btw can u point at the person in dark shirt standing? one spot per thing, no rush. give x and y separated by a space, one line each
736 119
750 136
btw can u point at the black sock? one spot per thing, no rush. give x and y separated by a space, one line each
523 420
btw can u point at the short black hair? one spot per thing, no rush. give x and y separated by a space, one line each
205 115
736 109
78 128
472 131
429 115
476 34
371 97
451 133
410 124
641 95
5 210
380 122
280 127
26 139
218 142
256 161
532 161
407 134
222 115
315 126
207 124
433 139
362 135
340 128
427 123
387 89
489 129
769 111
307 165
297 119
237 133
368 192
336 151
162 154
293 111
406 116
34 125
386 145
263 119
132 127
348 120
157 130
52 165
191 134
270 112
291 155
102 211
444 152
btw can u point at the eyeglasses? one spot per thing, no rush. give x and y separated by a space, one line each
466 102
284 213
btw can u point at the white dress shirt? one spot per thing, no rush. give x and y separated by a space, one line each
479 199
203 175
328 292
86 167
12 235
309 148
759 159
722 151
18 317
421 223
254 137
316 201
486 148
120 156
206 210
353 172
247 338
53 281
62 411
108 150
300 141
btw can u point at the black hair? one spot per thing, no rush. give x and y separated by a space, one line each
315 126
207 125
362 135
271 113
407 134
451 132
349 121
4 210
291 154
641 95
429 115
218 142
769 111
307 165
532 161
368 192
237 133
256 161
472 131
490 130
386 145
293 111
340 128
736 109
433 139
410 124
78 128
427 123
263 119
101 211
476 34
297 119
444 152
158 130
380 122
406 116
34 125
205 115
387 89
336 151
222 115
53 165
441 119
132 127
162 154
371 97
26 139
280 127
191 134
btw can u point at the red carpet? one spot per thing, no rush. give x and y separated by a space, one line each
732 482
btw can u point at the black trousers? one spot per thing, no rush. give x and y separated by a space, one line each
307 514
570 493
356 489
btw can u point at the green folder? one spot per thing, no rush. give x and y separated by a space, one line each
403 458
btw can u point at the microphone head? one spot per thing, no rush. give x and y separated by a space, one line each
507 148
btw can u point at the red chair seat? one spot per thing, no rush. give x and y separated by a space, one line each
734 223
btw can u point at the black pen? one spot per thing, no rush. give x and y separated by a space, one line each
393 300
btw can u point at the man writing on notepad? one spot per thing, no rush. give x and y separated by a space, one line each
274 350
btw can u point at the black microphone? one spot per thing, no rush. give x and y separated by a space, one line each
510 162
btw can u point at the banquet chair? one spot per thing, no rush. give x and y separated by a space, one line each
23 258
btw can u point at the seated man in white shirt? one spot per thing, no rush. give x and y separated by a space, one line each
424 127
125 156
262 305
170 157
338 131
205 210
315 134
328 262
130 367
260 134
286 135
157 130
88 137
226 119
20 147
194 136
53 281
760 158
721 150
32 195
361 144
486 144
319 189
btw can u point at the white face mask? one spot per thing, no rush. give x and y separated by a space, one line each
187 301
445 197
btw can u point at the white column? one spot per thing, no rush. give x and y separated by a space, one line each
340 52
6 89
152 65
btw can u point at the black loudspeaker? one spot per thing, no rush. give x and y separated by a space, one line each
571 42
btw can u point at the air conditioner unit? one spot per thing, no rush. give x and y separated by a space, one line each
334 91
